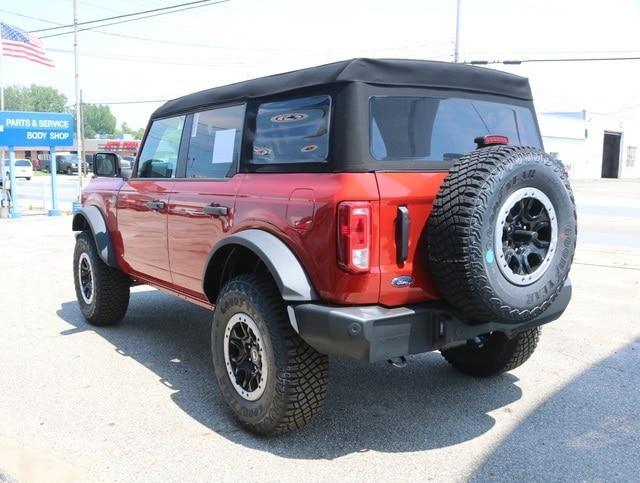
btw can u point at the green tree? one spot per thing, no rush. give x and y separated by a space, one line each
98 119
34 98
125 129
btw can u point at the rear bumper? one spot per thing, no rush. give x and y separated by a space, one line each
375 333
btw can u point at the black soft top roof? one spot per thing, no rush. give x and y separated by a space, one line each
397 72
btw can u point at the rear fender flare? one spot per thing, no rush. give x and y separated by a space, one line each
285 268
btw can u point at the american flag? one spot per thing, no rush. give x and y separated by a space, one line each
18 43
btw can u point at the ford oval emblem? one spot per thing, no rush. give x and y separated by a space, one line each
403 281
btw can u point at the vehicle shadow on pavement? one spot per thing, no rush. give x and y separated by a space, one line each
588 431
369 407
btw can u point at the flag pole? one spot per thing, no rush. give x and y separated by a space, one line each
79 140
1 97
1 77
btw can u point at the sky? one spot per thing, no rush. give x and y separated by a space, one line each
165 57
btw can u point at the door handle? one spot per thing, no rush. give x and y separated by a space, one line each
156 205
216 210
402 234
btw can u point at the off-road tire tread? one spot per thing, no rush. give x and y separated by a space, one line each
504 358
454 233
301 385
111 285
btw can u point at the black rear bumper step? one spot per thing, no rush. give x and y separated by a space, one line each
375 333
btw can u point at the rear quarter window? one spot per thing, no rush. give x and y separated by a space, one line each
292 131
442 129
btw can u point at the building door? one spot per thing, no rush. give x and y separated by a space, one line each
611 155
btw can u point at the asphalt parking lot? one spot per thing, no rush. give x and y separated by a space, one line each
138 402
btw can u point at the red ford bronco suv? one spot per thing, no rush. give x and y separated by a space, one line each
367 209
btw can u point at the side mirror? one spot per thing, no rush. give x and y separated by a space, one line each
106 165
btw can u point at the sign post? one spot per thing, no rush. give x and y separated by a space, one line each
13 209
53 167
31 129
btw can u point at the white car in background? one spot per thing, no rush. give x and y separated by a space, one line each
23 168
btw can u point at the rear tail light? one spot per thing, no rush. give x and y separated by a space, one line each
354 236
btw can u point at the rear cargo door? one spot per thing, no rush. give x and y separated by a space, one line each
416 140
405 204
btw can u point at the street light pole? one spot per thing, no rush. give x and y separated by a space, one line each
79 140
456 51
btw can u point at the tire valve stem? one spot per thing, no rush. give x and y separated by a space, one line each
399 362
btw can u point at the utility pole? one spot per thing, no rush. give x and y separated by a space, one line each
79 140
456 51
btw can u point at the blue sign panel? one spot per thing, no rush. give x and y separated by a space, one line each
24 129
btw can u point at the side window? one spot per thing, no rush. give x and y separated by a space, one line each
292 131
159 154
214 144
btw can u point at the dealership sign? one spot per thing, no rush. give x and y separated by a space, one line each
24 129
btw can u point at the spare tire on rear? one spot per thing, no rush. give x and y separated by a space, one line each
502 234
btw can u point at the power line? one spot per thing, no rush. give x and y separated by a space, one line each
114 34
124 15
137 18
436 42
111 103
554 52
29 17
518 62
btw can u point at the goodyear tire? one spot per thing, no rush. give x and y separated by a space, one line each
102 291
502 234
269 377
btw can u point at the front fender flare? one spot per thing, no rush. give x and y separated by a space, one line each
93 217
287 272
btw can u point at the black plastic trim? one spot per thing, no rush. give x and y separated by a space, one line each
287 271
376 333
402 234
98 226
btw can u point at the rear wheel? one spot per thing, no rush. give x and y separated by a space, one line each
269 377
493 354
102 291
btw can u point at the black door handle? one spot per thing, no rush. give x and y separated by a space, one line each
156 205
402 234
216 210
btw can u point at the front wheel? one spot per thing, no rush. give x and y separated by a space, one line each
493 354
269 377
102 291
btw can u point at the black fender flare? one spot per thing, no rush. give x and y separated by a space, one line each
284 266
92 217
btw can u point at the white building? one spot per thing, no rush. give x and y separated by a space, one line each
592 145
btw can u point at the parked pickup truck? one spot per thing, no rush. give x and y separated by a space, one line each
367 209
